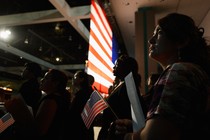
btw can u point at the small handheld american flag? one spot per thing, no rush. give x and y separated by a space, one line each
92 108
6 121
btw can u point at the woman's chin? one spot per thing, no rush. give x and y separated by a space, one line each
152 54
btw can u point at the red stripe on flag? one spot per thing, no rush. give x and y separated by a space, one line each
92 108
100 63
97 10
97 70
99 57
6 121
93 113
92 33
99 43
100 87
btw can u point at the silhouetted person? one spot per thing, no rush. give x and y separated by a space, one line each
50 120
118 99
180 95
30 90
78 129
91 79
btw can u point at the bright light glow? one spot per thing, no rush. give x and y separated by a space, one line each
58 59
6 88
26 41
5 34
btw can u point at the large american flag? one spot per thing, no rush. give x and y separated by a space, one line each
103 49
93 107
6 121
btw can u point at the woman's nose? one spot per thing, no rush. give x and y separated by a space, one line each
41 79
152 40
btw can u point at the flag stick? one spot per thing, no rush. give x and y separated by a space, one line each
106 103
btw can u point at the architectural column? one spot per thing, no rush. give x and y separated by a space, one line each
144 27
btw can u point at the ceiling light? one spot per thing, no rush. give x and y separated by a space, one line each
40 48
26 41
57 27
58 59
5 34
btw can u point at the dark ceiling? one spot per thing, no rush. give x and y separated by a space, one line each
41 40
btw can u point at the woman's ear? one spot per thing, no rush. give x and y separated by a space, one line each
182 44
54 84
82 80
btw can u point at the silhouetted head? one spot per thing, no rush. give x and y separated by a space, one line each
181 30
54 80
176 38
124 65
91 79
32 68
80 79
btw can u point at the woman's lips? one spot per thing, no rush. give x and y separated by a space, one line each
152 48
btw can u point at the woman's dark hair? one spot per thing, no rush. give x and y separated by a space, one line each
129 64
91 79
60 77
84 75
181 29
34 68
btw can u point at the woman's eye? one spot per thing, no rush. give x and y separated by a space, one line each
160 32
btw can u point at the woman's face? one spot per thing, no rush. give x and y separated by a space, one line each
46 83
118 68
25 73
77 80
161 49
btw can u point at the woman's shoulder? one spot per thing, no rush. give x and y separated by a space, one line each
185 65
51 98
190 67
56 100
